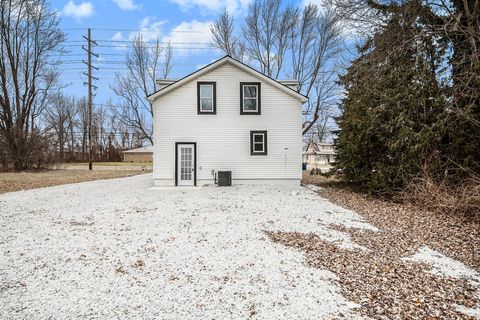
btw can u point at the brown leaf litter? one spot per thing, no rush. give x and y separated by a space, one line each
454 236
384 285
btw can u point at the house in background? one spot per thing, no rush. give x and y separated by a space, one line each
144 154
227 117
319 155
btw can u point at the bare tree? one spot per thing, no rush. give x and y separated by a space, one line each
82 123
143 67
310 38
29 36
167 60
267 33
316 46
59 118
224 37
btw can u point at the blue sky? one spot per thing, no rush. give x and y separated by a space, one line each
181 21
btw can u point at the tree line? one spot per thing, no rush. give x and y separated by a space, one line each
410 117
41 125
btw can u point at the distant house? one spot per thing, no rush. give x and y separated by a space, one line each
319 155
144 154
227 116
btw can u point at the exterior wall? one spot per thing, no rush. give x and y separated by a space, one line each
315 161
223 139
137 157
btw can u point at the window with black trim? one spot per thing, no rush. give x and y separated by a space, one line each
250 98
206 98
258 143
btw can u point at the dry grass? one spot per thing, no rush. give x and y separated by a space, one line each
463 199
456 236
15 181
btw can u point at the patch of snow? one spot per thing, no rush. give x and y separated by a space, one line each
313 187
125 249
471 312
446 266
443 265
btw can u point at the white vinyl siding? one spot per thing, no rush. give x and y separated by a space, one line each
223 140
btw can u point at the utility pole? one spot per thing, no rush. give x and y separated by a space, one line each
90 86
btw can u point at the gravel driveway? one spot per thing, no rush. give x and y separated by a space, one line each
124 249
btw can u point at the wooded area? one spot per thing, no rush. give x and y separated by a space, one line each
410 118
39 124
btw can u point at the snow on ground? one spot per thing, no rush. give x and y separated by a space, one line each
124 249
443 265
448 267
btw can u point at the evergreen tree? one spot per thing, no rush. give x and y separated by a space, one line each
393 100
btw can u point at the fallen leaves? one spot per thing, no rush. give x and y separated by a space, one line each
382 284
456 237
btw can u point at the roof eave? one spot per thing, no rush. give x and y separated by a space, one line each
218 63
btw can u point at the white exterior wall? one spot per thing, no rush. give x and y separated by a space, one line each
223 139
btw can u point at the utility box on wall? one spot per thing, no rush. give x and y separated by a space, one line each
224 178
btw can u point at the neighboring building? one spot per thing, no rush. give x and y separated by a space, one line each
319 155
227 117
144 154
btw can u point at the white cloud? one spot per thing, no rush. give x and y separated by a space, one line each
127 4
82 10
150 29
118 36
193 35
232 6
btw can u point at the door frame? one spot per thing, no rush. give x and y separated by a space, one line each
194 161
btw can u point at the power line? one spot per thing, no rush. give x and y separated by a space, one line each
121 62
153 41
129 41
149 31
152 47
175 48
134 30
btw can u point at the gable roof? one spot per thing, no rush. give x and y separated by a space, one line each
216 64
314 147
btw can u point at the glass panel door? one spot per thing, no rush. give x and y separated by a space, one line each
185 165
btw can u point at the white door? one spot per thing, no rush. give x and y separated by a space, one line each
185 164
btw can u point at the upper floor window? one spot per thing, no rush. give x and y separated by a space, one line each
206 98
250 98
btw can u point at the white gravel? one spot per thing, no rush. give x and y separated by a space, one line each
124 249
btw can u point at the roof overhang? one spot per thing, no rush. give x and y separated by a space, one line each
218 63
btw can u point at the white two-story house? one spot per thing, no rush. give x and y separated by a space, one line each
227 117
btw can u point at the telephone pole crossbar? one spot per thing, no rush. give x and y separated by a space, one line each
90 86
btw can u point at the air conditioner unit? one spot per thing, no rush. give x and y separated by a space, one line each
224 178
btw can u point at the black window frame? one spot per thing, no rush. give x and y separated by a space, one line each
214 84
265 143
259 98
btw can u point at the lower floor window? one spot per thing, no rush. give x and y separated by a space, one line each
258 143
